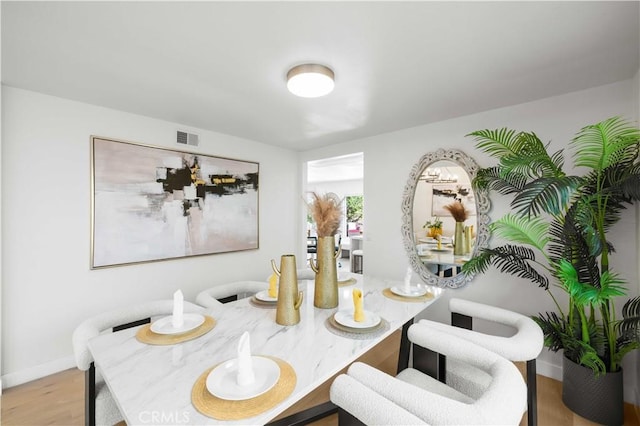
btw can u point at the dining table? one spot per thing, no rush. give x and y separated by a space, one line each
152 384
443 259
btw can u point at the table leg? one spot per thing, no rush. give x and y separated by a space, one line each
307 416
405 347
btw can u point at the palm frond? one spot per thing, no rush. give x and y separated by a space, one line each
557 247
568 277
628 329
617 182
546 195
558 335
533 160
497 143
554 328
568 241
629 325
611 285
509 259
630 186
623 347
585 294
533 166
587 213
558 159
520 229
588 357
494 178
478 264
600 145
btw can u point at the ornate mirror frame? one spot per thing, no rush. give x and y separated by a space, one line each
482 209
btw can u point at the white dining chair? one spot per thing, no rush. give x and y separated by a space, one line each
367 395
525 345
303 274
100 408
216 296
357 261
306 274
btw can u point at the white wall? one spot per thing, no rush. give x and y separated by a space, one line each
553 119
47 284
341 188
636 108
1 211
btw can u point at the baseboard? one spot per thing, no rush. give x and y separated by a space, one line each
548 369
37 372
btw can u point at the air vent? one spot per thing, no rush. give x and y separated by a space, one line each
187 138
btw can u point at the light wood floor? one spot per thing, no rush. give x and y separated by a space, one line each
59 399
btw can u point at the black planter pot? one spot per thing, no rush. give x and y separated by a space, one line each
599 399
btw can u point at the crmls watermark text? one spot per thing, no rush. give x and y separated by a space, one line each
163 417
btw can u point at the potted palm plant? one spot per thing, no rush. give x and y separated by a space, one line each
557 231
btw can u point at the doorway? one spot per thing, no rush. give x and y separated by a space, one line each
344 176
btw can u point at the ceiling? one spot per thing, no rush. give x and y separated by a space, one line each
344 167
222 65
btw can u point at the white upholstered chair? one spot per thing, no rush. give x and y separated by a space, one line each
367 395
525 345
357 261
306 274
100 408
220 294
216 296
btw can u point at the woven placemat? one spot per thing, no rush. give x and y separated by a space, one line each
356 333
222 409
350 281
145 335
262 303
391 295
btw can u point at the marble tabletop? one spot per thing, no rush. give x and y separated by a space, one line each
445 258
152 384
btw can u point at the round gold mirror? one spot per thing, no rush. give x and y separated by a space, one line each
444 220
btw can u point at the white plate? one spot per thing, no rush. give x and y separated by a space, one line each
442 250
264 296
222 381
165 325
427 240
414 291
346 318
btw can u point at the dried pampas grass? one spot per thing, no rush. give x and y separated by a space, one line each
326 213
458 211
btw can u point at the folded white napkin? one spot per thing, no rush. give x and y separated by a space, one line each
177 320
407 280
246 376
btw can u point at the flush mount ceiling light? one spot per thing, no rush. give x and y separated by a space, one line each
310 80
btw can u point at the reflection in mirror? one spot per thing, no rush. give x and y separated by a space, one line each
441 184
437 243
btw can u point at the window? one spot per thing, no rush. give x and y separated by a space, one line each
354 207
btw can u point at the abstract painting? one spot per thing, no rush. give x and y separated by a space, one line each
151 203
447 193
